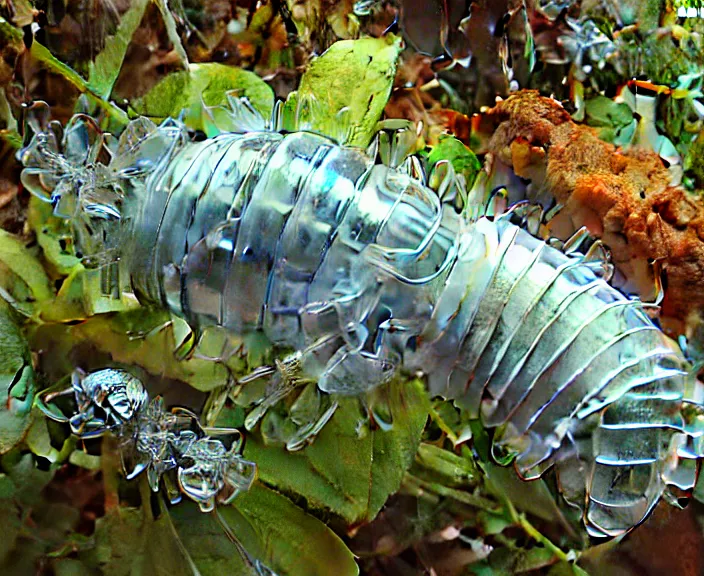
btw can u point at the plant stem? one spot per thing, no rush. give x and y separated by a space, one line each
458 495
533 532
443 426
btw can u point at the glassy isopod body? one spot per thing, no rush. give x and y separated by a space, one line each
363 271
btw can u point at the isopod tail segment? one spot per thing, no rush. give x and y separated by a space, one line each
204 463
572 375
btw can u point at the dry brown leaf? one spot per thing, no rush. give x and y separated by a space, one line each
622 196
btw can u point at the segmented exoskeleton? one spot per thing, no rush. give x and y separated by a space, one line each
173 445
364 271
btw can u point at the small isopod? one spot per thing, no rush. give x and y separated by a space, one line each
169 445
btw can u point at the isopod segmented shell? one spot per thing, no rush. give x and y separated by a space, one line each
169 445
363 271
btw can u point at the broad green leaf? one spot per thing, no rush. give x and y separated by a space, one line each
292 541
206 542
83 460
344 91
494 523
603 111
25 267
23 481
203 84
614 120
16 382
34 526
19 490
42 54
103 72
9 33
39 441
69 567
271 528
79 295
9 528
8 123
12 138
347 471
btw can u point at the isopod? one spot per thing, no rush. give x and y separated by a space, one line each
167 444
364 271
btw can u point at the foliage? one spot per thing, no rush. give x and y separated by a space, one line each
203 84
347 471
103 71
349 84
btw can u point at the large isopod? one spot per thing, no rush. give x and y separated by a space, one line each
364 271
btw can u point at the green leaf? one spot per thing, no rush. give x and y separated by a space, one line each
16 382
12 138
271 528
70 301
80 294
103 72
345 471
203 84
603 111
129 542
463 160
494 523
356 75
24 266
7 120
520 560
9 528
9 33
32 526
142 337
69 567
54 236
292 542
614 120
24 481
39 441
205 540
83 460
